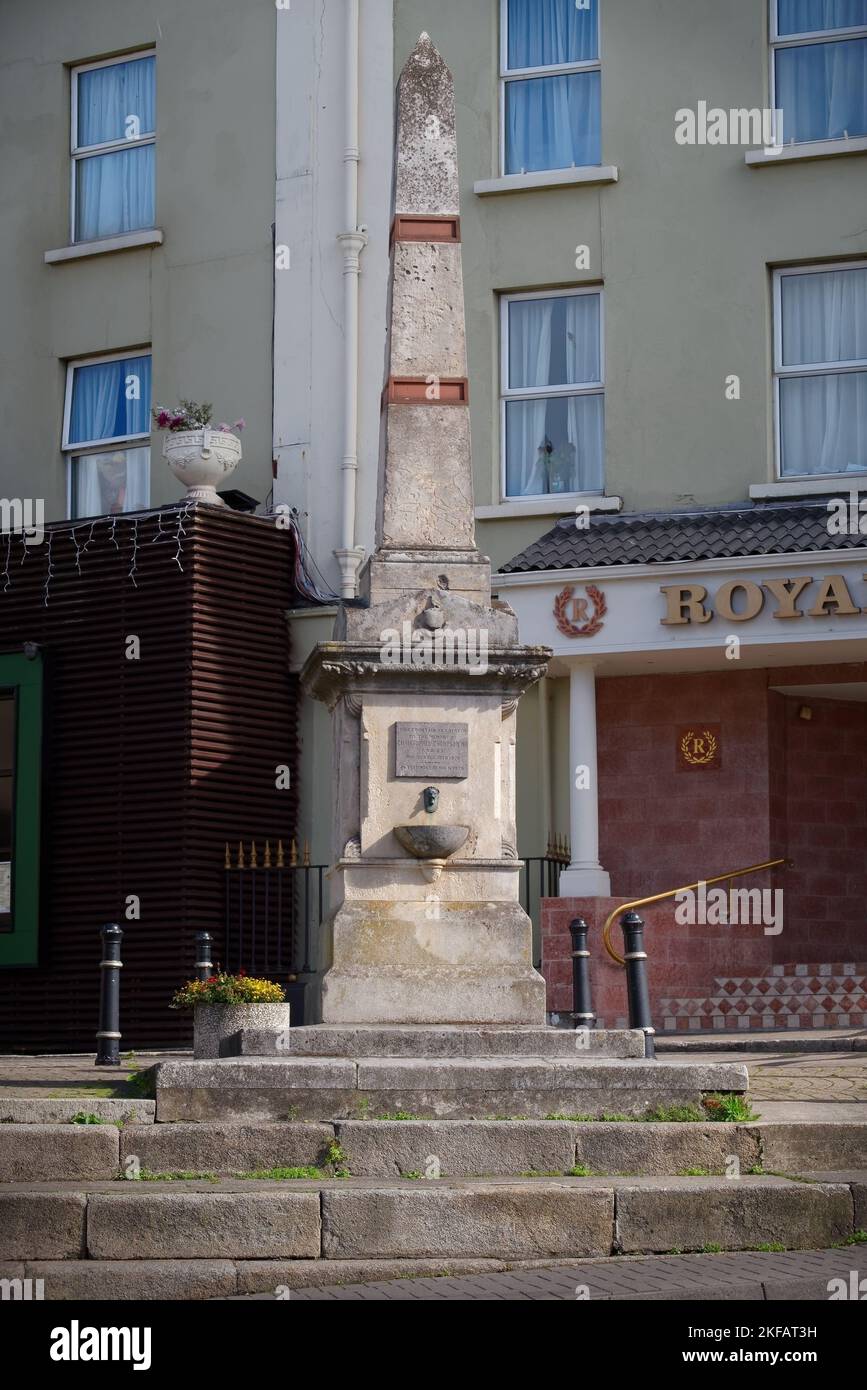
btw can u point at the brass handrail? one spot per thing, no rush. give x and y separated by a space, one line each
660 897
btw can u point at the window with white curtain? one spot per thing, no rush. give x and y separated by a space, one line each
113 134
106 434
819 65
550 85
553 407
821 369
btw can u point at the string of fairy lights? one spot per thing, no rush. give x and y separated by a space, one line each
83 534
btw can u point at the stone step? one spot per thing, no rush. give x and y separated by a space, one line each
47 1153
327 1088
457 1148
443 1040
358 1219
33 1110
477 1147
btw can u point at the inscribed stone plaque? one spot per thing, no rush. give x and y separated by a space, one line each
431 750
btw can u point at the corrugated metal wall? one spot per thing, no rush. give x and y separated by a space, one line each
150 765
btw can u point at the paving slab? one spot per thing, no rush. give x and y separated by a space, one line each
837 1076
809 1112
801 1040
62 1076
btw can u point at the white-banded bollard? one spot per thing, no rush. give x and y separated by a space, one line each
637 990
203 965
108 1036
582 1004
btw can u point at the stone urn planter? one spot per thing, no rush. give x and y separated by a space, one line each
214 1023
202 459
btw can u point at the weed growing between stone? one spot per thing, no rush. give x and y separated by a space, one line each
146 1176
283 1174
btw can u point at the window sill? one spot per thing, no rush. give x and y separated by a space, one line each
149 236
550 506
826 486
814 149
547 178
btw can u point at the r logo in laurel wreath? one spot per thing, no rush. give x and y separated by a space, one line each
699 748
580 617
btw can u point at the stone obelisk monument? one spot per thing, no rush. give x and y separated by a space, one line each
423 680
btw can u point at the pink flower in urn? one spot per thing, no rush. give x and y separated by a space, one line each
190 415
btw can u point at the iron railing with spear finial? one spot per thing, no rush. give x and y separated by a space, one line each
274 904
273 907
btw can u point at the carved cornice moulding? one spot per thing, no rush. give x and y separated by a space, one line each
336 670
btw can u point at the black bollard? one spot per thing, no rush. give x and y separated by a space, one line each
582 1004
636 979
204 966
108 1037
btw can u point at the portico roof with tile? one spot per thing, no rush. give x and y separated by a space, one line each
652 538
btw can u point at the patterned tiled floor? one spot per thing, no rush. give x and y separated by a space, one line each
829 995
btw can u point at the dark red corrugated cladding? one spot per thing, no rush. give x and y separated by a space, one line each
149 765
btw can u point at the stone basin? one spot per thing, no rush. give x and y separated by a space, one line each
432 841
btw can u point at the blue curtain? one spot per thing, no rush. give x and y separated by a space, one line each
809 16
115 192
551 31
100 408
821 89
108 96
552 122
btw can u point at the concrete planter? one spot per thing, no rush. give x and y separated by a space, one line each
214 1023
200 459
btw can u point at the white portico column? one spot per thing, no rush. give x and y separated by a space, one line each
585 876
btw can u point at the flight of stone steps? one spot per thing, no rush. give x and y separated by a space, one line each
123 1199
446 1072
